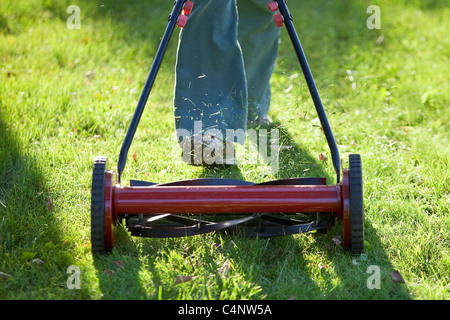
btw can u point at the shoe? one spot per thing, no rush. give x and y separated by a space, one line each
265 121
207 150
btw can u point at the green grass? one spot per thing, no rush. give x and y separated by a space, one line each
67 96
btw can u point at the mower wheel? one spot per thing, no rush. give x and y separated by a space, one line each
356 204
98 205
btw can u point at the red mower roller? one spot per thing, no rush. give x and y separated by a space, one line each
198 206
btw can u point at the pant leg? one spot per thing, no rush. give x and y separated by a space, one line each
259 40
210 83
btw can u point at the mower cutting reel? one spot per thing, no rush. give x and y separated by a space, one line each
199 206
268 209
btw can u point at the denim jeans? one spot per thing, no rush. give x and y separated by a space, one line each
225 59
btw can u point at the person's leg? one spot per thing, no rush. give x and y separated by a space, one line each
210 78
259 40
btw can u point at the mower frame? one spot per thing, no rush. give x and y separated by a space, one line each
268 209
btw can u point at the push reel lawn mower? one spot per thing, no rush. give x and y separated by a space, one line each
185 208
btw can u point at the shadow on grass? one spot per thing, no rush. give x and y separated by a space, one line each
31 254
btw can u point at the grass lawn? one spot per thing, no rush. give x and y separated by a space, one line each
67 95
